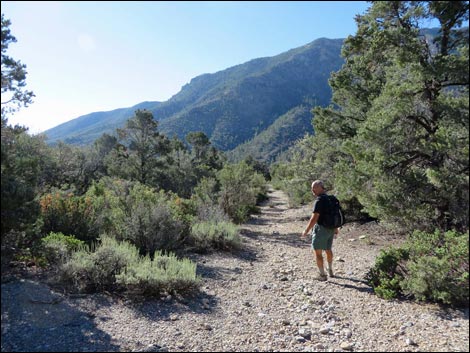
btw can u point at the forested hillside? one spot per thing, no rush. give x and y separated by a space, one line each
277 138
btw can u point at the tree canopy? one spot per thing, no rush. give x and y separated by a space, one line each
397 133
13 76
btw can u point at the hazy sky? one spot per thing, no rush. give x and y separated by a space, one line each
89 56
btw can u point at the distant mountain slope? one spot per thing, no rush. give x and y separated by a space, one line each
87 128
277 138
231 106
246 99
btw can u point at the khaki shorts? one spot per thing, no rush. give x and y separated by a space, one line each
322 238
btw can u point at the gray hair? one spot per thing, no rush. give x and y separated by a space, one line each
318 183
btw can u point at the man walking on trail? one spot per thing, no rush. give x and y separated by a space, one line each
322 237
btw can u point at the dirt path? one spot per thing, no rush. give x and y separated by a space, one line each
263 298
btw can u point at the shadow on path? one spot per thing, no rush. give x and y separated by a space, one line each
291 239
156 310
364 289
35 319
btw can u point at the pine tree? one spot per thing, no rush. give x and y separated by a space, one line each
144 148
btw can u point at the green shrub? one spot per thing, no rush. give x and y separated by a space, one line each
428 266
295 176
427 278
205 201
240 187
211 213
166 273
387 272
287 177
218 235
109 199
258 184
153 227
298 191
439 271
117 266
57 247
137 213
69 214
206 192
90 271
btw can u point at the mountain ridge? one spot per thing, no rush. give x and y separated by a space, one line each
230 106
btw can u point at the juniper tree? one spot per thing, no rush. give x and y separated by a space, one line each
399 122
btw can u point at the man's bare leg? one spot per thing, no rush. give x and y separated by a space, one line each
329 259
319 261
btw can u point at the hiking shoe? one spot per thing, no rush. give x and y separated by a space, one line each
321 278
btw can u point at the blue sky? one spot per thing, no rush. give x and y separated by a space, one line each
89 56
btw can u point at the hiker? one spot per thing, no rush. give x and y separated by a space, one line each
322 237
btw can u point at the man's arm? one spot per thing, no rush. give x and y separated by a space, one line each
313 220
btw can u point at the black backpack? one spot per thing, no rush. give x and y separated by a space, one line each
333 215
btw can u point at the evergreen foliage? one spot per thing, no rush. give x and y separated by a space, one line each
428 267
269 143
13 76
205 201
240 188
137 213
22 156
296 174
187 168
24 161
141 156
395 139
64 212
387 273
